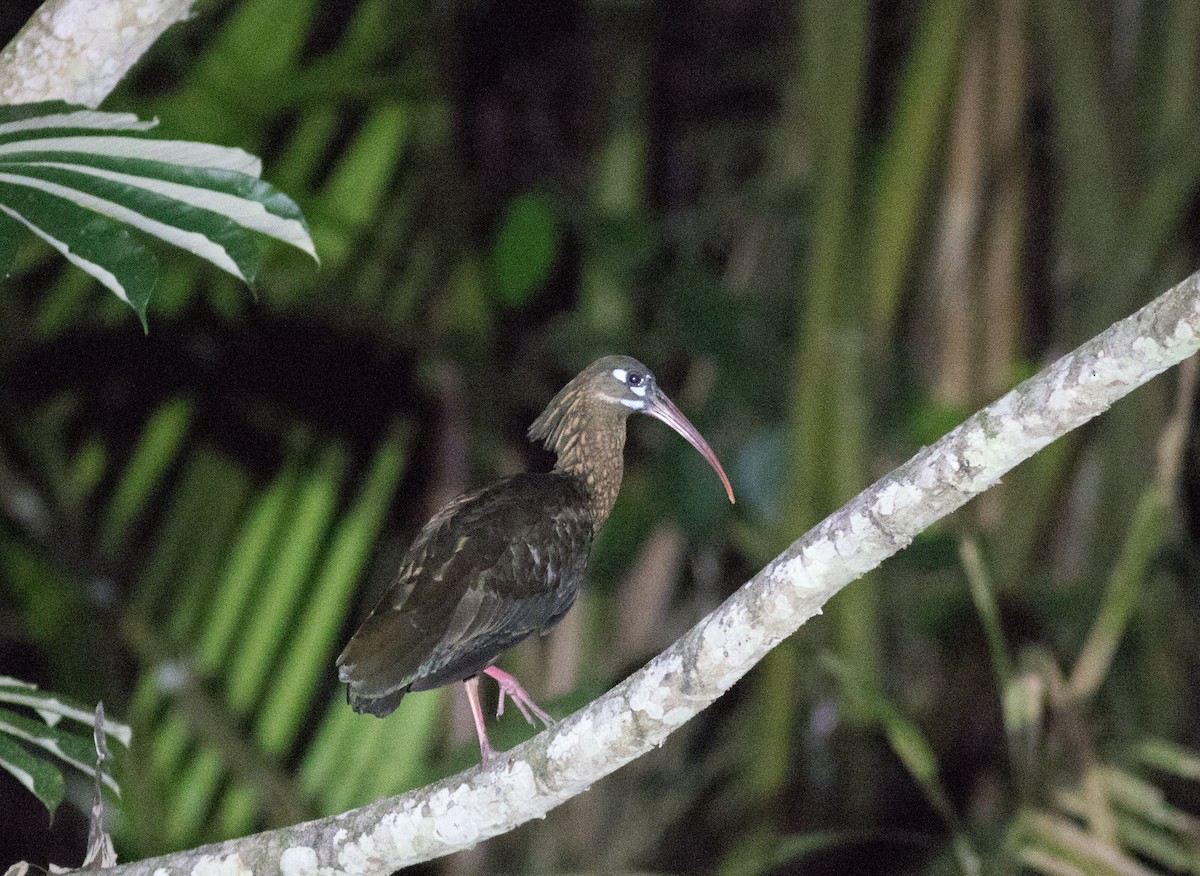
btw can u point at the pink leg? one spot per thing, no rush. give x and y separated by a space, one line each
509 686
485 747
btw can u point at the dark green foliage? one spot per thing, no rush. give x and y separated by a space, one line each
93 184
832 230
526 244
32 749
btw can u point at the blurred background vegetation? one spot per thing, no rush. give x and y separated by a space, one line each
833 230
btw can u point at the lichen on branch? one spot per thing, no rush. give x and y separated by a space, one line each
78 50
640 712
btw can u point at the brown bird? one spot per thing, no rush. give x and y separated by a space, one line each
499 564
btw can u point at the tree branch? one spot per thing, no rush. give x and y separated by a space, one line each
640 712
78 50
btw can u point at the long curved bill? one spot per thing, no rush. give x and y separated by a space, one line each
662 408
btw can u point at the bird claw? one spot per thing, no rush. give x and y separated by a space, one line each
510 687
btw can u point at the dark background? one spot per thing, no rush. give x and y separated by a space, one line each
832 230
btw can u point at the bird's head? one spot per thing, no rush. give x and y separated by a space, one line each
610 389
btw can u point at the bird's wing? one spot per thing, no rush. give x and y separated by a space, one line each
488 570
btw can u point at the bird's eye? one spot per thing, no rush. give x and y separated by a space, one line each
634 379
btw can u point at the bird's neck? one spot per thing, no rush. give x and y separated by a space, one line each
589 439
595 458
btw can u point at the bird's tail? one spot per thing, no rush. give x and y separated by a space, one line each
378 706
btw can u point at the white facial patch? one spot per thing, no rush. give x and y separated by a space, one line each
636 403
622 375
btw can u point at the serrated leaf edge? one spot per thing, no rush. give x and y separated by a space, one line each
105 276
246 212
51 745
192 241
40 702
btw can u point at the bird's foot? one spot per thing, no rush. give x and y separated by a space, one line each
485 747
510 687
486 752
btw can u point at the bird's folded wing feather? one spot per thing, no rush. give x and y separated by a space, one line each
489 569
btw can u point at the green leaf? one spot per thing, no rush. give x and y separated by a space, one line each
220 185
795 847
1170 758
263 40
295 551
164 433
907 164
53 707
35 773
1122 592
1023 705
191 794
83 144
1147 802
525 248
82 180
908 743
354 191
11 232
983 594
74 750
910 746
314 633
1049 837
1171 852
210 235
248 560
354 759
103 247
32 119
